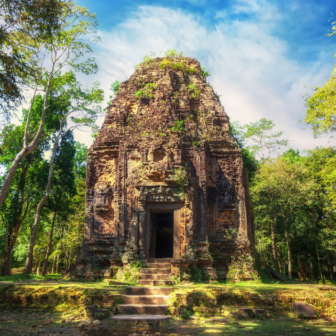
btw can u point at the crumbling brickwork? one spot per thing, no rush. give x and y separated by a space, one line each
165 145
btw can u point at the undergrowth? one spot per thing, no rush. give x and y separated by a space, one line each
129 273
24 277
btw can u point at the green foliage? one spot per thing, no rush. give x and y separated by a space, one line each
146 92
249 159
180 175
193 90
115 86
129 273
147 60
25 277
24 25
261 140
178 66
205 73
173 53
179 126
66 99
228 233
320 113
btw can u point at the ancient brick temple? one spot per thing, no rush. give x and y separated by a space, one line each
165 177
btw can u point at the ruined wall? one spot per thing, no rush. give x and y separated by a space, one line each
166 139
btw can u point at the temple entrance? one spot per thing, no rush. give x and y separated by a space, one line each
162 230
162 235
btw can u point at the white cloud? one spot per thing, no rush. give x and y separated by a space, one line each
249 66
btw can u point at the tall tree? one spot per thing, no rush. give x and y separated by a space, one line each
82 106
31 20
28 180
280 191
64 47
261 140
321 111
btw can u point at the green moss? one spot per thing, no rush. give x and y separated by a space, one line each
178 66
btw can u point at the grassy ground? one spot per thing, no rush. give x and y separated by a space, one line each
27 322
42 320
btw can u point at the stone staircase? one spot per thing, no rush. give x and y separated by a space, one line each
148 304
156 272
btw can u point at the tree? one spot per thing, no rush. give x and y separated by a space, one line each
321 106
28 180
34 20
64 188
249 160
259 138
280 191
65 47
68 99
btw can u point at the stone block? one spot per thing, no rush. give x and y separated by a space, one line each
245 311
190 302
303 310
90 311
259 312
181 310
100 314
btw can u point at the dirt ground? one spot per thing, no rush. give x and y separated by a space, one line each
25 322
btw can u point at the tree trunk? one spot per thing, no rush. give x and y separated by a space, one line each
36 263
49 246
284 262
27 149
57 265
69 260
319 265
289 254
13 232
38 267
274 251
53 265
7 265
303 272
330 268
279 261
29 259
311 268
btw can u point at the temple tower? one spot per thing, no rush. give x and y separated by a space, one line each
165 177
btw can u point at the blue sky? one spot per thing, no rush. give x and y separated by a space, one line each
262 55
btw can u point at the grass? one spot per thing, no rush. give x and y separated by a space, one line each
21 322
25 277
274 326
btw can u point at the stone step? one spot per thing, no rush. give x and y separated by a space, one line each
130 309
145 299
152 319
156 282
160 260
157 265
154 277
155 270
148 290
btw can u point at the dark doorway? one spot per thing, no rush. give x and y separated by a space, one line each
162 234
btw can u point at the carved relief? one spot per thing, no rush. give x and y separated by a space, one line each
226 202
159 194
103 213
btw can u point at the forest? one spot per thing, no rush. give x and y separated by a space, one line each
43 48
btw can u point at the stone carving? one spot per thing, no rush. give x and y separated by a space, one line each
226 202
102 210
159 193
